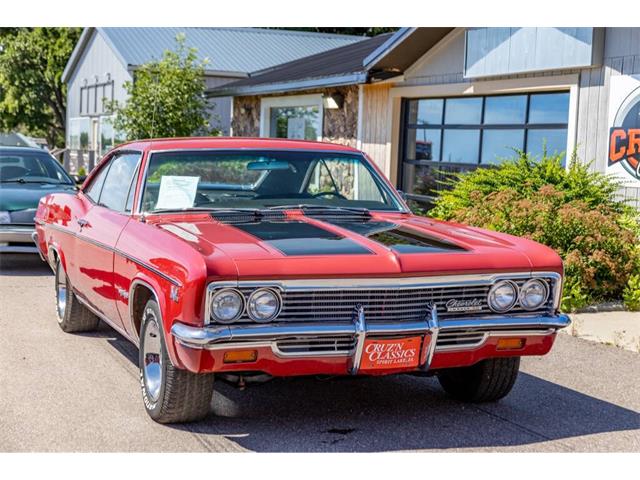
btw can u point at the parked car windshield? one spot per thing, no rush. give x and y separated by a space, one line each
263 179
31 167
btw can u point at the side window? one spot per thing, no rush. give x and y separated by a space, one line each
132 190
95 187
118 180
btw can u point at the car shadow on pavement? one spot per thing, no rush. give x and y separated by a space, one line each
401 413
22 265
398 412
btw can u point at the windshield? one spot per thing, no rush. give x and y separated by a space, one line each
31 167
269 179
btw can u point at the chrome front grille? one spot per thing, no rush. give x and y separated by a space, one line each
400 304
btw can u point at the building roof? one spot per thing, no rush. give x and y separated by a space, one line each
230 51
405 47
340 66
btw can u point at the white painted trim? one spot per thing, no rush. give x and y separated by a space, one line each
311 100
437 48
488 87
360 119
572 127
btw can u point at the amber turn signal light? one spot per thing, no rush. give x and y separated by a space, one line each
240 356
510 343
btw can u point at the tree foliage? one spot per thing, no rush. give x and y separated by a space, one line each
573 210
32 94
166 98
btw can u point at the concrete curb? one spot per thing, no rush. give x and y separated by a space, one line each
621 329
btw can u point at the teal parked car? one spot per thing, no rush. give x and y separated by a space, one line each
26 175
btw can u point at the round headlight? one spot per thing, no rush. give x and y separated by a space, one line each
502 296
533 294
263 305
227 305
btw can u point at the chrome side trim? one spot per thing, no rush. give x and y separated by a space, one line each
135 338
119 252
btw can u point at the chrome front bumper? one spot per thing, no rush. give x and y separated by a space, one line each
222 337
17 234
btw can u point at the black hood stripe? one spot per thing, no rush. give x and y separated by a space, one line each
295 238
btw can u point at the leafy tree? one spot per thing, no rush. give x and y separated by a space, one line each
32 94
166 98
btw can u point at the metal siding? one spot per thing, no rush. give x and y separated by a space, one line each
490 51
227 49
97 59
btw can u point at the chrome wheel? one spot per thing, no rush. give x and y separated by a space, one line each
152 356
61 292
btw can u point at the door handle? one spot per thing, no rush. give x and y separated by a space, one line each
83 222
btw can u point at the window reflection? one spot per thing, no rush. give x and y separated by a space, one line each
423 144
498 145
461 146
549 108
463 111
505 109
455 132
555 141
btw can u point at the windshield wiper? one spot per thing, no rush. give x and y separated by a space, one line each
22 180
316 208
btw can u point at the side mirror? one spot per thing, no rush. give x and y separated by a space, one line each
402 194
79 179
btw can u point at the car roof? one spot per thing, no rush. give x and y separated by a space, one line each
158 144
8 148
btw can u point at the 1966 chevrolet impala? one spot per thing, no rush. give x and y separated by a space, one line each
281 257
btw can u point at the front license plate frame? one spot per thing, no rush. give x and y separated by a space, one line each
391 353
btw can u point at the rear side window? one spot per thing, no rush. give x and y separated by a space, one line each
95 187
117 183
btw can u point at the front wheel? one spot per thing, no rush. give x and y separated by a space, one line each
486 381
170 395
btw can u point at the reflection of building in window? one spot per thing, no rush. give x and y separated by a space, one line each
295 122
448 135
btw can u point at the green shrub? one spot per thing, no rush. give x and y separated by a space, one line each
573 210
631 294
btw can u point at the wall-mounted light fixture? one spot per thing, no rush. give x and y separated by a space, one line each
333 101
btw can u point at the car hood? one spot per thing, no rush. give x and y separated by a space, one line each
24 196
300 246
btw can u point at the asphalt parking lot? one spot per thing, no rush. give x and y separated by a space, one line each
61 392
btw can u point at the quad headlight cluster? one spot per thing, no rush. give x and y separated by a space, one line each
505 294
229 304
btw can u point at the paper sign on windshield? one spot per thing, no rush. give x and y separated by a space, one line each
177 192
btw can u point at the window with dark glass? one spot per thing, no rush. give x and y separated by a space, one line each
118 181
442 136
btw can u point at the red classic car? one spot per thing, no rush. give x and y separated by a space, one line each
279 257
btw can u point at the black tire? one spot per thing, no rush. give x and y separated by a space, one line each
182 396
73 317
486 381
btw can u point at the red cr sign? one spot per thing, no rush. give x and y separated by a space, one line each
623 145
